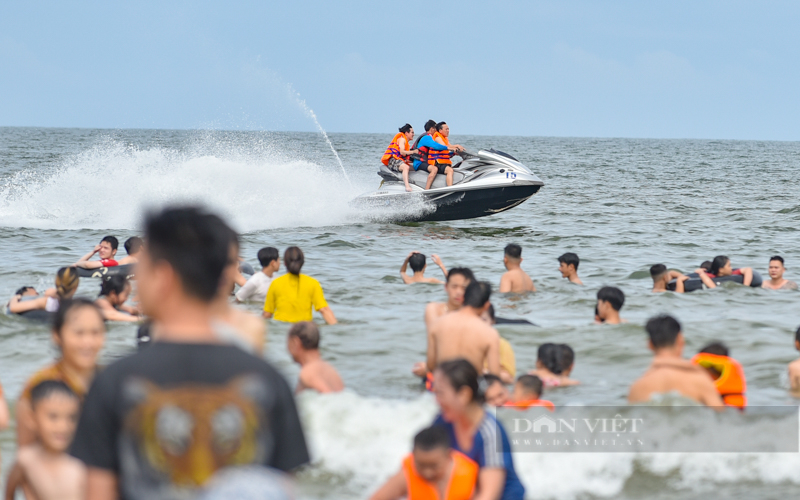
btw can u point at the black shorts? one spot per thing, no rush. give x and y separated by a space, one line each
442 166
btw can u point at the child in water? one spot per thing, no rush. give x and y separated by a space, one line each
554 364
44 470
432 470
527 393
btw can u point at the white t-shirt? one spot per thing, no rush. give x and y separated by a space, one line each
255 289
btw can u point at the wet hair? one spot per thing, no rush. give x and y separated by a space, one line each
113 241
489 380
67 281
429 125
293 259
266 255
706 265
717 348
405 128
431 438
116 284
718 263
778 258
613 296
460 373
440 126
21 291
307 332
461 271
477 294
551 357
195 243
567 357
513 251
49 388
417 262
66 306
531 383
657 270
663 330
570 258
133 245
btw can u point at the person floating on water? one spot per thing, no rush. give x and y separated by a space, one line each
114 292
67 282
430 151
528 392
315 374
777 281
721 266
398 155
609 302
417 262
257 286
432 471
662 277
515 280
106 250
726 372
568 266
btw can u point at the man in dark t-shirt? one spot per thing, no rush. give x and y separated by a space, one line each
161 423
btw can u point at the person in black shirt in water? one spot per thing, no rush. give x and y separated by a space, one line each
162 422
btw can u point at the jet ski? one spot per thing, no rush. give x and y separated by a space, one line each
484 183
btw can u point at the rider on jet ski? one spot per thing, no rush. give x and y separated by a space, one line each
430 148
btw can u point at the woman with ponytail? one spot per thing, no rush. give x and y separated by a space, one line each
291 297
474 431
66 284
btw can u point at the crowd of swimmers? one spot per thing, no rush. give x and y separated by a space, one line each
130 428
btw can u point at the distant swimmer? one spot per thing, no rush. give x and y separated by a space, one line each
398 155
609 302
568 266
463 334
133 246
441 159
794 367
417 262
315 374
777 281
496 393
662 276
554 365
726 372
257 286
515 280
106 251
721 266
669 372
114 292
67 282
432 471
528 392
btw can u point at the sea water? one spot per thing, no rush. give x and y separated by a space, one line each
621 204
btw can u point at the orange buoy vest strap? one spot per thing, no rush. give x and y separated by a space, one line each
393 151
533 402
461 485
442 157
731 384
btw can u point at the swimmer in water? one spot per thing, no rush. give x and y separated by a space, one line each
496 391
114 292
417 262
257 286
67 282
721 266
715 359
44 470
433 470
133 246
567 356
550 365
777 281
515 280
315 374
669 372
568 266
794 367
609 302
528 392
106 250
662 276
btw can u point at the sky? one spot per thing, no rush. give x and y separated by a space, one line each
654 69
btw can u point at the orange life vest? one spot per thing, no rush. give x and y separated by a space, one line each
461 485
393 151
731 384
442 157
532 402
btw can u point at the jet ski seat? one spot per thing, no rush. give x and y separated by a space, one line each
419 177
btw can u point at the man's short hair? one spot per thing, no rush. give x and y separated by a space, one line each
706 265
657 271
461 271
570 258
612 295
417 262
717 348
489 380
48 388
133 245
567 357
266 255
432 438
307 332
440 126
513 251
195 243
778 258
114 242
531 384
22 290
663 330
430 124
477 294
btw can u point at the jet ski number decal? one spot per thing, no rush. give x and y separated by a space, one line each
511 175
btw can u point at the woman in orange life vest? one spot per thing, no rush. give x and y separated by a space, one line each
433 471
398 155
727 373
441 159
